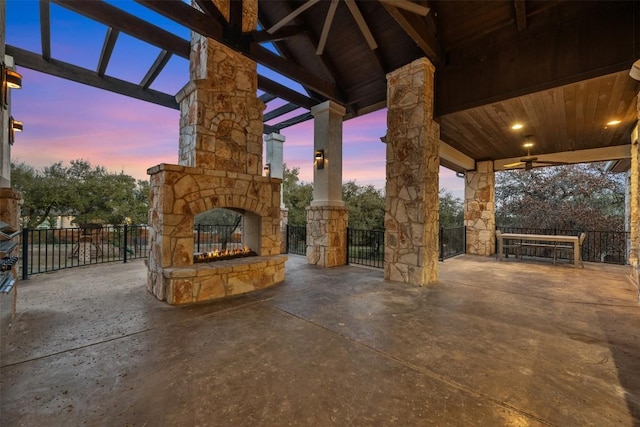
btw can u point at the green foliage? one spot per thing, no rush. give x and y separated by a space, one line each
88 193
218 217
451 210
297 195
571 197
366 206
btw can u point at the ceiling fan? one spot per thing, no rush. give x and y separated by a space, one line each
527 162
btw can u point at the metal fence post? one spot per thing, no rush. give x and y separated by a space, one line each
441 243
286 239
347 244
25 253
198 237
125 243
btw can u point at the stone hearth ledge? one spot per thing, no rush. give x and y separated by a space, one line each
221 279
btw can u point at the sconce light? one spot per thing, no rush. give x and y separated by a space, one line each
14 126
319 158
13 79
267 170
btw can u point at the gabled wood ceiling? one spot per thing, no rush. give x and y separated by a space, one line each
559 67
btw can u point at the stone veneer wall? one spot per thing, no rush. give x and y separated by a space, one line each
480 210
178 193
327 235
413 164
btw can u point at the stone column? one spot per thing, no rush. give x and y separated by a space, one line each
274 158
412 190
480 210
327 216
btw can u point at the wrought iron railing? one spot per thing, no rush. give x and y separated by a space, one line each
51 249
599 246
207 238
452 242
365 247
297 239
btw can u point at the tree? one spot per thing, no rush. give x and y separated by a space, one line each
571 197
451 210
297 195
89 194
366 206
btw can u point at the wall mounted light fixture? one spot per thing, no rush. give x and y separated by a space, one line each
319 159
266 171
13 79
14 126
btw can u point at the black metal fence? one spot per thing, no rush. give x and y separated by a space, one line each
51 249
452 242
297 239
365 247
207 238
599 246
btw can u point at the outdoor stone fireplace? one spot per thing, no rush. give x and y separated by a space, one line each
220 167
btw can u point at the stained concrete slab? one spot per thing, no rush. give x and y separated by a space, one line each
491 344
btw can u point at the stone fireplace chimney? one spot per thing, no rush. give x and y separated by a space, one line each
220 166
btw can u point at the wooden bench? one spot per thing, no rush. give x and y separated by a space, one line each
555 242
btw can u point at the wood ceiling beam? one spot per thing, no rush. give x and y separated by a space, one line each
326 27
418 30
82 75
277 112
263 36
291 16
521 14
155 69
122 21
107 49
185 15
45 28
235 15
285 93
212 10
292 121
267 97
362 24
408 6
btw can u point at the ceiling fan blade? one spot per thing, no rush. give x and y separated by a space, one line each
514 165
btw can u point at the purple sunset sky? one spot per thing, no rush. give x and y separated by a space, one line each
64 120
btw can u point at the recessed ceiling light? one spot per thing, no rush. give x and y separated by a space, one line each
517 126
614 122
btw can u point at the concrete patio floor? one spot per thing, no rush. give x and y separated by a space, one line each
492 344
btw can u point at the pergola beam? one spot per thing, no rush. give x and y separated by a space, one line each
277 112
45 29
107 50
82 75
155 69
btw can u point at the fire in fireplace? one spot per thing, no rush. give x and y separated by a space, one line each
219 255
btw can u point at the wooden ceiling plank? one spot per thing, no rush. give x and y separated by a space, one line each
185 15
418 31
81 75
45 28
521 14
155 69
284 21
107 49
326 27
116 18
362 24
408 6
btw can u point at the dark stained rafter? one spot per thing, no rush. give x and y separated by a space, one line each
267 97
191 18
82 75
263 36
107 49
210 9
521 14
45 29
286 108
418 30
155 69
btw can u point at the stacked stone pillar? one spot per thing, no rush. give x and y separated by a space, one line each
480 210
412 190
327 217
274 160
634 205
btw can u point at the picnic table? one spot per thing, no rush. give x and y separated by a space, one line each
551 241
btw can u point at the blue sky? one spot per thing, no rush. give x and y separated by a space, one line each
64 120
